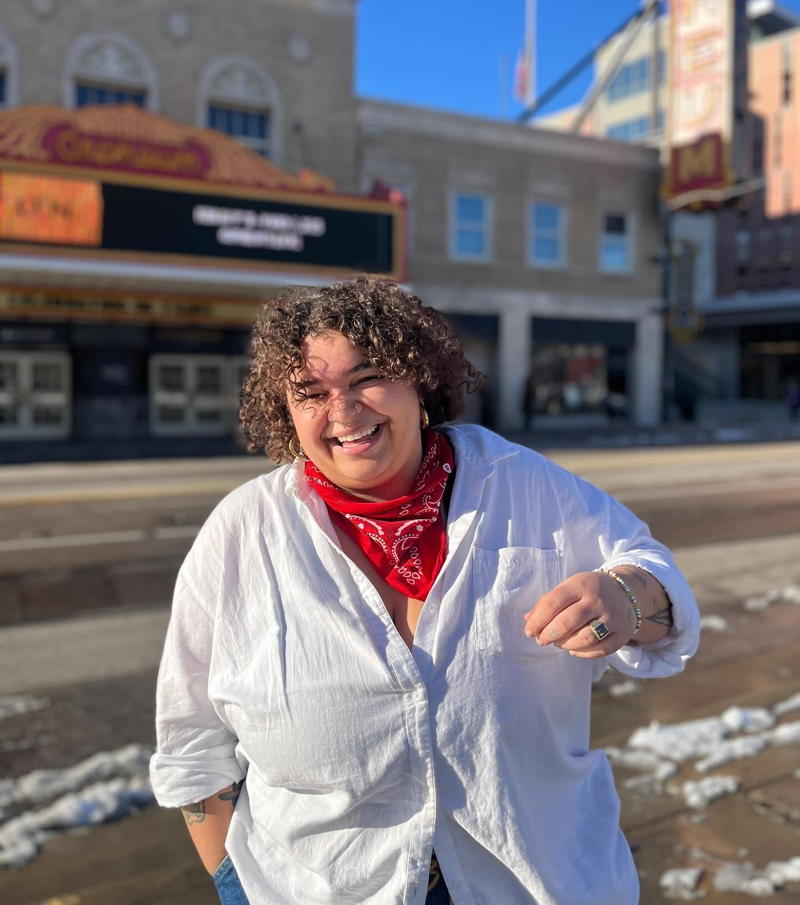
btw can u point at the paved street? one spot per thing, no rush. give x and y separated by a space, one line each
731 513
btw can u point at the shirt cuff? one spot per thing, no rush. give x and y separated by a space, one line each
182 779
668 655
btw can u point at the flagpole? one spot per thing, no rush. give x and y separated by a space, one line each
530 51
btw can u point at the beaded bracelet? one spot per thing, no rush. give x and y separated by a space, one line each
629 593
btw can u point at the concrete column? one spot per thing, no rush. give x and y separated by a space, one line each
647 371
513 363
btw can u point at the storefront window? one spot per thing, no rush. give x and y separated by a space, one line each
568 378
193 394
35 395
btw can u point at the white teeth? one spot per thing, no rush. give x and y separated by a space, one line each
349 438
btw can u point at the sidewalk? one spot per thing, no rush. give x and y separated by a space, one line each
674 433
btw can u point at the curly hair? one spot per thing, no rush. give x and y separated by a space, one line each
405 339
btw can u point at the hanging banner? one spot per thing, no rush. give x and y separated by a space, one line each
705 89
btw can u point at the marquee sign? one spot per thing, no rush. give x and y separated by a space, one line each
122 182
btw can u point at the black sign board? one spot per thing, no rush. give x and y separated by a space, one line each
206 225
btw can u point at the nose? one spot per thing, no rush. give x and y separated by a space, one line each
342 407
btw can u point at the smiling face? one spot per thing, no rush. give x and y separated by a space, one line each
361 429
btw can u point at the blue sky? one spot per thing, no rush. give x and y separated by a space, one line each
459 54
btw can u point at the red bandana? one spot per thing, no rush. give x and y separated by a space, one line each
404 539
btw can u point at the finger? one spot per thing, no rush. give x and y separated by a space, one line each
549 605
584 637
570 622
608 645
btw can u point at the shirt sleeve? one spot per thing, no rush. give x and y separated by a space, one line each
195 751
600 532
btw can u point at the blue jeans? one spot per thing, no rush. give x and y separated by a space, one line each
230 891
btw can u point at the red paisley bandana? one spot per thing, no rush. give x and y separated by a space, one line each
404 539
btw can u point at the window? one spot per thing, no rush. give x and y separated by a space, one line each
787 65
547 234
249 127
192 395
777 141
615 243
635 129
86 95
9 70
469 239
634 78
35 395
236 96
108 69
742 252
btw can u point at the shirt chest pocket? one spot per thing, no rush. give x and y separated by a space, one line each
508 582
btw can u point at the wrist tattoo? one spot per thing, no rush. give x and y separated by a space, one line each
232 794
194 813
662 617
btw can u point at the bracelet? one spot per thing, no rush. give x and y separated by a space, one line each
629 594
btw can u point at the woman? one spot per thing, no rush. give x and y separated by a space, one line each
384 648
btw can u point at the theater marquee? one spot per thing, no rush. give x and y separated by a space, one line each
84 183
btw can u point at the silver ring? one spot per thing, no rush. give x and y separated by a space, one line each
600 629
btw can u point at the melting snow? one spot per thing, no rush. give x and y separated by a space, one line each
681 883
742 877
12 705
789 594
731 749
623 688
713 623
698 793
785 706
107 785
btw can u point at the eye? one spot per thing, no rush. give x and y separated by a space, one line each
369 379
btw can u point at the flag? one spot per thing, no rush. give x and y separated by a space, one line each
522 77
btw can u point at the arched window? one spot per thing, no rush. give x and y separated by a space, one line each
8 71
108 69
238 97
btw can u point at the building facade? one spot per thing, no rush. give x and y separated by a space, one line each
746 275
541 248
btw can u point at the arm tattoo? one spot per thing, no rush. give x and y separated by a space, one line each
194 813
232 794
662 617
637 576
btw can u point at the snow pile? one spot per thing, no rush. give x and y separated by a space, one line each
12 705
738 732
107 785
699 793
732 876
681 883
780 873
743 877
747 719
787 705
789 594
732 749
623 688
713 623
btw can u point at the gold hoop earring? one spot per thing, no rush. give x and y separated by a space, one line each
424 420
295 449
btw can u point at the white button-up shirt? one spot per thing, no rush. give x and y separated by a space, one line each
283 666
